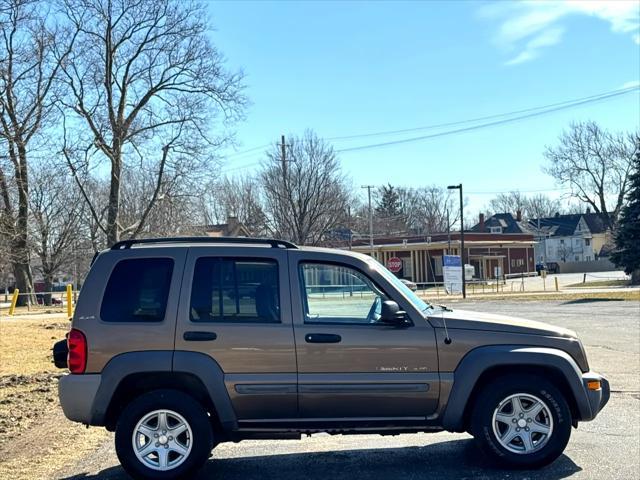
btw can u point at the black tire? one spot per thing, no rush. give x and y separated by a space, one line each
491 397
193 413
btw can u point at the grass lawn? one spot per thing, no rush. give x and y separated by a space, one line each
30 414
601 283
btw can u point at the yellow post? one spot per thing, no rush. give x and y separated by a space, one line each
556 279
69 301
14 300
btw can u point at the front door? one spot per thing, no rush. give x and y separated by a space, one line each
235 308
350 366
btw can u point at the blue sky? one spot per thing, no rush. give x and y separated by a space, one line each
349 68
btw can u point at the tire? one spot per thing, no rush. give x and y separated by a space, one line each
163 457
525 407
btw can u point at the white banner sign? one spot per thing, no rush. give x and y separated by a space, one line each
452 273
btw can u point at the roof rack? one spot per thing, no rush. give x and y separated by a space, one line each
126 244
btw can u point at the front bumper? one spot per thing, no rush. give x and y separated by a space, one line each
77 394
597 398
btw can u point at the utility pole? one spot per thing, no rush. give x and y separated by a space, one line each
464 286
448 233
349 227
369 187
283 148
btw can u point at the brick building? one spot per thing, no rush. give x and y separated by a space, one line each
491 254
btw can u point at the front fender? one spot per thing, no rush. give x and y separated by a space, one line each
481 359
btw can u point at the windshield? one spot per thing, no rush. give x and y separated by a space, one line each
415 299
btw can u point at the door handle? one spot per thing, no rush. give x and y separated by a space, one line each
199 336
322 338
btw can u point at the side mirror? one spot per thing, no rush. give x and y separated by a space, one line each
391 314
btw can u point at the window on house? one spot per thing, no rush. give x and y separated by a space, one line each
496 229
587 242
562 242
437 262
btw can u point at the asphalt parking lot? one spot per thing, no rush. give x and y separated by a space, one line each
608 447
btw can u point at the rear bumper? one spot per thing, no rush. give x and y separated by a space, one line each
597 398
77 394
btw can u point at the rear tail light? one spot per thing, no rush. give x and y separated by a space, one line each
77 358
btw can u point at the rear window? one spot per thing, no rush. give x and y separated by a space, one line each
137 290
235 290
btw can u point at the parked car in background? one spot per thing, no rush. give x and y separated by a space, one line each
41 298
411 285
553 267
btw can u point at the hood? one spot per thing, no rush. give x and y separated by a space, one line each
468 320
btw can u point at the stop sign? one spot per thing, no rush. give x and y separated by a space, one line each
394 264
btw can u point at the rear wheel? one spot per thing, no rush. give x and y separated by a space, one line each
163 434
521 421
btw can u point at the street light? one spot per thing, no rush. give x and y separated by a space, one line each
369 187
459 187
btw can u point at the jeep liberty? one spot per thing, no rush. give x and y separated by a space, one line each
180 344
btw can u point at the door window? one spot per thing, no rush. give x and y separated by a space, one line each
339 294
235 290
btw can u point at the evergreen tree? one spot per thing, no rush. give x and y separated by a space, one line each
388 204
627 238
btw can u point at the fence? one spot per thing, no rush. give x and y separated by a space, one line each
44 300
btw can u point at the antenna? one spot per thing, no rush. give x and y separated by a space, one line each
447 338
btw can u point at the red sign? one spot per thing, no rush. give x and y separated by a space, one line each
394 264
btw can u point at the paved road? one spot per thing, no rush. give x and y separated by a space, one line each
607 448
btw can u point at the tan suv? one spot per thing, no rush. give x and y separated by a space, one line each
181 344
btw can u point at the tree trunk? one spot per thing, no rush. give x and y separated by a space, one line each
113 211
19 246
48 287
21 274
635 277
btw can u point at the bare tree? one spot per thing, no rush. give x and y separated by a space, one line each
595 164
508 202
240 197
541 206
55 209
429 208
306 194
28 72
145 90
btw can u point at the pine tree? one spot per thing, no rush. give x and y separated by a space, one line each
627 239
389 216
389 202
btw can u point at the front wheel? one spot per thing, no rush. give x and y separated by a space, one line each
164 435
521 421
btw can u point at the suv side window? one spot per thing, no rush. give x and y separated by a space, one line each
339 294
137 290
235 290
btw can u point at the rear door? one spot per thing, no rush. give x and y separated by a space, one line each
349 366
235 308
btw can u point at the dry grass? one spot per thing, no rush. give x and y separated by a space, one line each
601 284
29 410
626 295
25 344
33 309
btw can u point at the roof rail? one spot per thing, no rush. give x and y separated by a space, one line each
126 244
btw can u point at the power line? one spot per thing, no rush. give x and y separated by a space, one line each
250 150
533 111
520 191
487 117
615 93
